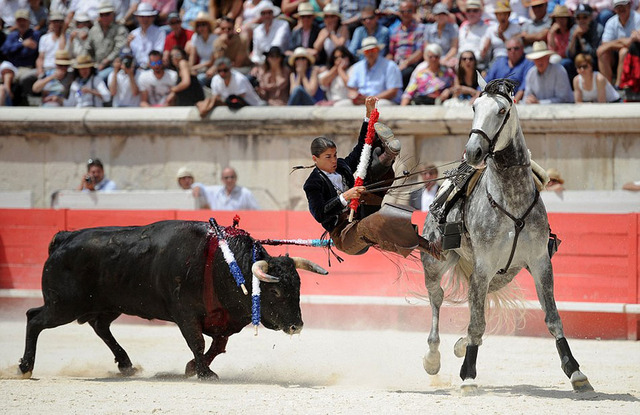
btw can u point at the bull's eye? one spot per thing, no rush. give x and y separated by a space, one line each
502 111
276 292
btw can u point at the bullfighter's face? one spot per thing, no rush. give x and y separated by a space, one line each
327 161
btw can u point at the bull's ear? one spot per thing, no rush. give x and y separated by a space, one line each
303 263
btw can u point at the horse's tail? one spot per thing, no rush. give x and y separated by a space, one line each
504 306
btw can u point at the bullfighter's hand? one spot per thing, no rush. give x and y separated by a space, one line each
354 193
370 104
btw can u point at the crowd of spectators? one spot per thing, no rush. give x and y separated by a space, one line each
208 53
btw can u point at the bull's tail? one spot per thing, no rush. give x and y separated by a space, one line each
58 239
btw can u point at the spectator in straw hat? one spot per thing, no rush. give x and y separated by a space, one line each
21 49
307 31
303 81
87 90
333 35
201 50
556 182
498 34
538 28
271 32
374 76
370 27
147 37
106 39
78 41
561 23
55 86
546 83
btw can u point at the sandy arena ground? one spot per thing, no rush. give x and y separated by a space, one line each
316 372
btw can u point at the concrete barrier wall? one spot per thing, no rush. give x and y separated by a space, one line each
44 150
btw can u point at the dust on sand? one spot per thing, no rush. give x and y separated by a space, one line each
316 372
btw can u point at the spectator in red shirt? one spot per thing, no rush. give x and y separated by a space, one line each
178 36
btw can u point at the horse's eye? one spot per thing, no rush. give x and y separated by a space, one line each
502 111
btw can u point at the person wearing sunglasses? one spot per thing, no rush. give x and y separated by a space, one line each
513 66
590 85
370 27
585 35
155 83
472 32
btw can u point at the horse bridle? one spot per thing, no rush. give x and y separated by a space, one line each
492 141
518 223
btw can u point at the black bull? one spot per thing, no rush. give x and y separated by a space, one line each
158 272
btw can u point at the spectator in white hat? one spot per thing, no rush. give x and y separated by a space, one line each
78 41
186 181
374 76
619 32
147 37
271 32
546 83
106 39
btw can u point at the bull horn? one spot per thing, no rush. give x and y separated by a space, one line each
259 269
303 263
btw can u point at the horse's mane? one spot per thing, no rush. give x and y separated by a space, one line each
501 86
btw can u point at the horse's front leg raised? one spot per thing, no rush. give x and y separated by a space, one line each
542 274
478 286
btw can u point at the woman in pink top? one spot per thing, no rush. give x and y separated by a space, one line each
558 36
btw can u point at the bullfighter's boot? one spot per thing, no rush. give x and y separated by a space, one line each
390 144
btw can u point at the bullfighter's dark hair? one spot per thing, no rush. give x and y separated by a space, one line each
318 146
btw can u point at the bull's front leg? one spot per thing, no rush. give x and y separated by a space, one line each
192 332
218 346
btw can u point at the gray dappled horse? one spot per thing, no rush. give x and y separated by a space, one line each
504 204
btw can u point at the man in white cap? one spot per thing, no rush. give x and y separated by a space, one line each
374 76
147 37
106 39
472 31
619 32
271 32
186 181
546 83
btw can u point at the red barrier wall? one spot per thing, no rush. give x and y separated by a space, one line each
598 260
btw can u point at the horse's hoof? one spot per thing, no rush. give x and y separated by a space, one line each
190 369
580 382
460 348
431 362
26 375
128 371
209 375
469 387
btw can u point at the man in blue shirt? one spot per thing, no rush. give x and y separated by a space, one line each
375 76
21 49
514 66
546 83
370 27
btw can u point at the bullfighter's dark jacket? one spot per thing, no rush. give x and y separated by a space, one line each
323 198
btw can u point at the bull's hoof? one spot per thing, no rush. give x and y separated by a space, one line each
190 369
460 348
127 370
431 362
469 387
580 382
